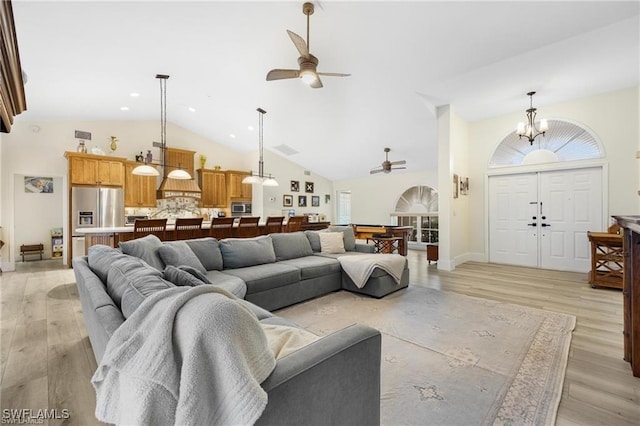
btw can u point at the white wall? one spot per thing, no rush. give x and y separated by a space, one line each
614 119
374 197
38 214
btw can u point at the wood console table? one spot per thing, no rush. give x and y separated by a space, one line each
631 290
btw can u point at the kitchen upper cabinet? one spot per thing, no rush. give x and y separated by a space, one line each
89 169
214 188
139 191
175 158
238 190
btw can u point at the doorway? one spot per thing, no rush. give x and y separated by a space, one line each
541 219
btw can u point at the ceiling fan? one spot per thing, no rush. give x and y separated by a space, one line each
307 61
386 165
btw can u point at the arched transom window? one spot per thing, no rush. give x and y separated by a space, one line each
418 207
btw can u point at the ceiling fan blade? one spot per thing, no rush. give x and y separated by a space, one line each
317 83
398 168
281 74
300 44
373 172
393 163
334 74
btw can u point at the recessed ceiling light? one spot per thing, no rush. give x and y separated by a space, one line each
192 109
250 128
232 136
134 94
124 108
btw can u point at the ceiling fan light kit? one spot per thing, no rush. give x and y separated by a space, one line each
307 62
529 129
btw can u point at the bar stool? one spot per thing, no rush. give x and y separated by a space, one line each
248 227
295 223
274 224
144 227
187 228
221 227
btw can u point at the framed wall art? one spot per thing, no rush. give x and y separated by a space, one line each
302 201
287 200
38 184
315 201
295 186
308 187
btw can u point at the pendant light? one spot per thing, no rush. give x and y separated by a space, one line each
260 177
529 129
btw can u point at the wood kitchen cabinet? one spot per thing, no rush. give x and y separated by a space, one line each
213 184
139 191
89 169
238 191
175 158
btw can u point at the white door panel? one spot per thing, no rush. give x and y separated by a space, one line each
562 205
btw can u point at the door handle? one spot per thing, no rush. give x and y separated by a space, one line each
532 224
544 225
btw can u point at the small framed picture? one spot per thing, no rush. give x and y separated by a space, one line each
302 201
287 200
295 186
315 201
327 198
456 179
308 187
464 186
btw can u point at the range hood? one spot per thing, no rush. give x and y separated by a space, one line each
172 188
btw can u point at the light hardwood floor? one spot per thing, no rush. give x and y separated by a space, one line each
46 359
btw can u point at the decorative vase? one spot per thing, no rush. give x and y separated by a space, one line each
82 148
113 145
149 157
203 161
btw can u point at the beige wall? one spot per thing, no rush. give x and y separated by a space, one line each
613 117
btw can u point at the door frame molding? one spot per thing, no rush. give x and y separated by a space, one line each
546 167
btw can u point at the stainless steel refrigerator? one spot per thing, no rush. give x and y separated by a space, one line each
94 207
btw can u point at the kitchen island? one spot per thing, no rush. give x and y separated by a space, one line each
113 235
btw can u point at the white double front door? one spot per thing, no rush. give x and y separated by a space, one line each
541 219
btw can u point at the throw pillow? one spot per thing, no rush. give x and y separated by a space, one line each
241 252
291 245
146 248
181 277
206 250
314 239
123 271
193 271
331 242
179 253
349 236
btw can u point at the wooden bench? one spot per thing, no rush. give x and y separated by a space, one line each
27 249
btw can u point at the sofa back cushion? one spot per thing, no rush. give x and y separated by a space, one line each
179 253
146 248
291 245
183 277
207 250
348 235
241 252
314 239
127 272
100 259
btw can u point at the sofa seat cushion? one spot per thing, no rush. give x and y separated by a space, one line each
230 283
265 277
314 266
242 252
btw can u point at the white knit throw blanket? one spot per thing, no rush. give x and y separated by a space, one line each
359 268
187 356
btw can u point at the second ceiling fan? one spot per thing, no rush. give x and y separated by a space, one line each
387 165
308 63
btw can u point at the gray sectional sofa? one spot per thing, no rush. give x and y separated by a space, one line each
334 380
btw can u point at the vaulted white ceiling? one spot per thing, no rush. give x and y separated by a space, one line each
84 58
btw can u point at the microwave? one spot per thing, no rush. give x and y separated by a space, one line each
240 208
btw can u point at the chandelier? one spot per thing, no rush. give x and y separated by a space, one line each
529 129
260 177
146 169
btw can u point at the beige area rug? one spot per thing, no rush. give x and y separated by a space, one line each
450 359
